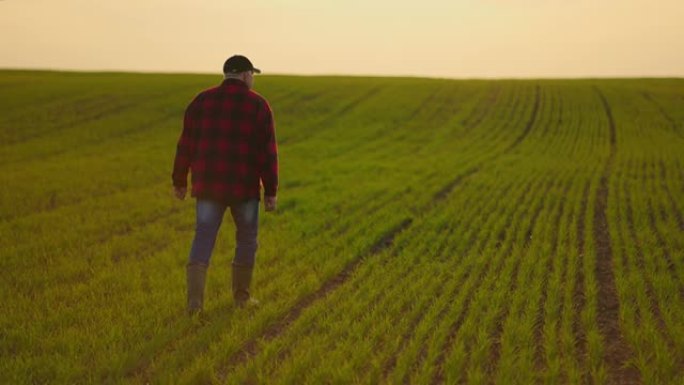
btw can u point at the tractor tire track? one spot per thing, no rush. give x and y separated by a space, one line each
617 352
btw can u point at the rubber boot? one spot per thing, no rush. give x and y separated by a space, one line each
242 278
196 274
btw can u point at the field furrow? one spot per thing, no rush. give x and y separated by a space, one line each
617 352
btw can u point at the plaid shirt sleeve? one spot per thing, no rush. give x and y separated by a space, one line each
187 145
268 156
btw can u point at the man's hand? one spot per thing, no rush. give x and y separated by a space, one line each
180 192
270 203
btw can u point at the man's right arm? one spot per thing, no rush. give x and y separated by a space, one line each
185 151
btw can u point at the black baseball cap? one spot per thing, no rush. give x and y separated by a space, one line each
238 63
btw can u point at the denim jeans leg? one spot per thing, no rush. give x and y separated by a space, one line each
246 218
209 218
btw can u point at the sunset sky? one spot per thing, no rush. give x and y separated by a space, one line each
436 38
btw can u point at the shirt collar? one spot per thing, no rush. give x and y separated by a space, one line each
234 82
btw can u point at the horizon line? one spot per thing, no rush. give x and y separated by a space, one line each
398 76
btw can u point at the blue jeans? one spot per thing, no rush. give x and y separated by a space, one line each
209 218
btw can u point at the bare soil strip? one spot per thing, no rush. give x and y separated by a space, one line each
617 352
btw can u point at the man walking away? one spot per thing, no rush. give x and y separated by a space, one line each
228 143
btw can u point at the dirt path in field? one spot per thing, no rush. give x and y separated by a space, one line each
617 352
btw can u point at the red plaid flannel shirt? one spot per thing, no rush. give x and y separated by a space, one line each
228 142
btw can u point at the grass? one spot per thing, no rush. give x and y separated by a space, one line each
429 231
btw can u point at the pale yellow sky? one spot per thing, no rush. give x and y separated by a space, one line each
438 38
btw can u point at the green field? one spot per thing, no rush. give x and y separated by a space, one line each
429 231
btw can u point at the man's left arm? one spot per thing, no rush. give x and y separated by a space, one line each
268 157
